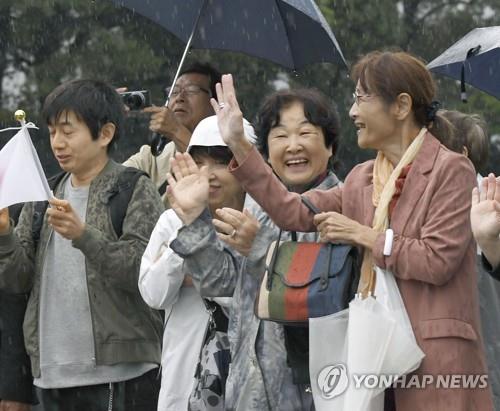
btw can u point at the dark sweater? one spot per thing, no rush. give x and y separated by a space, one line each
16 382
495 273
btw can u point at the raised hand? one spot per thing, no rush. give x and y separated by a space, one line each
230 118
485 218
237 229
187 189
4 221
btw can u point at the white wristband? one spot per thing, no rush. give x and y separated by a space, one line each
389 237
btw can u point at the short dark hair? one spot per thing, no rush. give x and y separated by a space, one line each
93 102
218 153
317 109
206 69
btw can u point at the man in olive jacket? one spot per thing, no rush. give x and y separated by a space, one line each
92 341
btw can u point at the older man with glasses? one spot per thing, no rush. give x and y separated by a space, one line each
189 104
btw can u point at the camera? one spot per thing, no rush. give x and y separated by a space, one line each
136 100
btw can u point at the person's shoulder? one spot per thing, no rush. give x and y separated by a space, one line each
450 156
115 172
145 157
331 180
137 159
145 149
452 162
362 172
121 177
363 168
168 151
443 157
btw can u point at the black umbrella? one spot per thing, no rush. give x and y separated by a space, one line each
474 59
292 33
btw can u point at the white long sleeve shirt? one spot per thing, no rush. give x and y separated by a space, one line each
160 284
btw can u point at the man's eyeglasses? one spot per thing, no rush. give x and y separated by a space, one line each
357 98
190 90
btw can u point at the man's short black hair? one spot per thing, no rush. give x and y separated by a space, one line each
93 102
206 69
317 109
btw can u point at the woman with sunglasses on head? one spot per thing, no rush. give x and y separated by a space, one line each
416 187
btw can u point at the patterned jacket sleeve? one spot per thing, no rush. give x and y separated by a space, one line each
213 266
119 261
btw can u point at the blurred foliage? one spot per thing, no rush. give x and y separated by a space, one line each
44 42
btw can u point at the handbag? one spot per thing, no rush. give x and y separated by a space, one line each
213 365
306 279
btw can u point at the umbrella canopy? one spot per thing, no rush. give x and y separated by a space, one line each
292 33
478 56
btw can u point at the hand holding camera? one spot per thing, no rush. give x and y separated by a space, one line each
136 100
164 122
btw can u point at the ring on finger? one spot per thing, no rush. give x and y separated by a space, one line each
233 234
222 104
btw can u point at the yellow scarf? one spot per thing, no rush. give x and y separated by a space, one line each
384 186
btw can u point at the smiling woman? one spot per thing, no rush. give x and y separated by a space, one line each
298 134
166 282
415 187
269 364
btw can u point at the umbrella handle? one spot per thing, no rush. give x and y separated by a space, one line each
186 49
471 53
158 141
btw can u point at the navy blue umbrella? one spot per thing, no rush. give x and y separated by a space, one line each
474 59
292 33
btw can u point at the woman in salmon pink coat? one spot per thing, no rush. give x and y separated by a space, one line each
415 187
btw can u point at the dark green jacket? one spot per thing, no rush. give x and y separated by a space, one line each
125 328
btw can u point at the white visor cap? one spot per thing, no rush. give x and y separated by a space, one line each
207 133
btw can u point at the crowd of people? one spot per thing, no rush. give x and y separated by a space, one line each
135 287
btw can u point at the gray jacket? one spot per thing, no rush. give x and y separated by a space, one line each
259 378
125 328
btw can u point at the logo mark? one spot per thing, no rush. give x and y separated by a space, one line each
333 380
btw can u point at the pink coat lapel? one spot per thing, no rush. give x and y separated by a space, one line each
415 183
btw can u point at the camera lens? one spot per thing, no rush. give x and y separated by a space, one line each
135 101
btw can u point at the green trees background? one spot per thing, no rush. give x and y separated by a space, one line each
45 42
